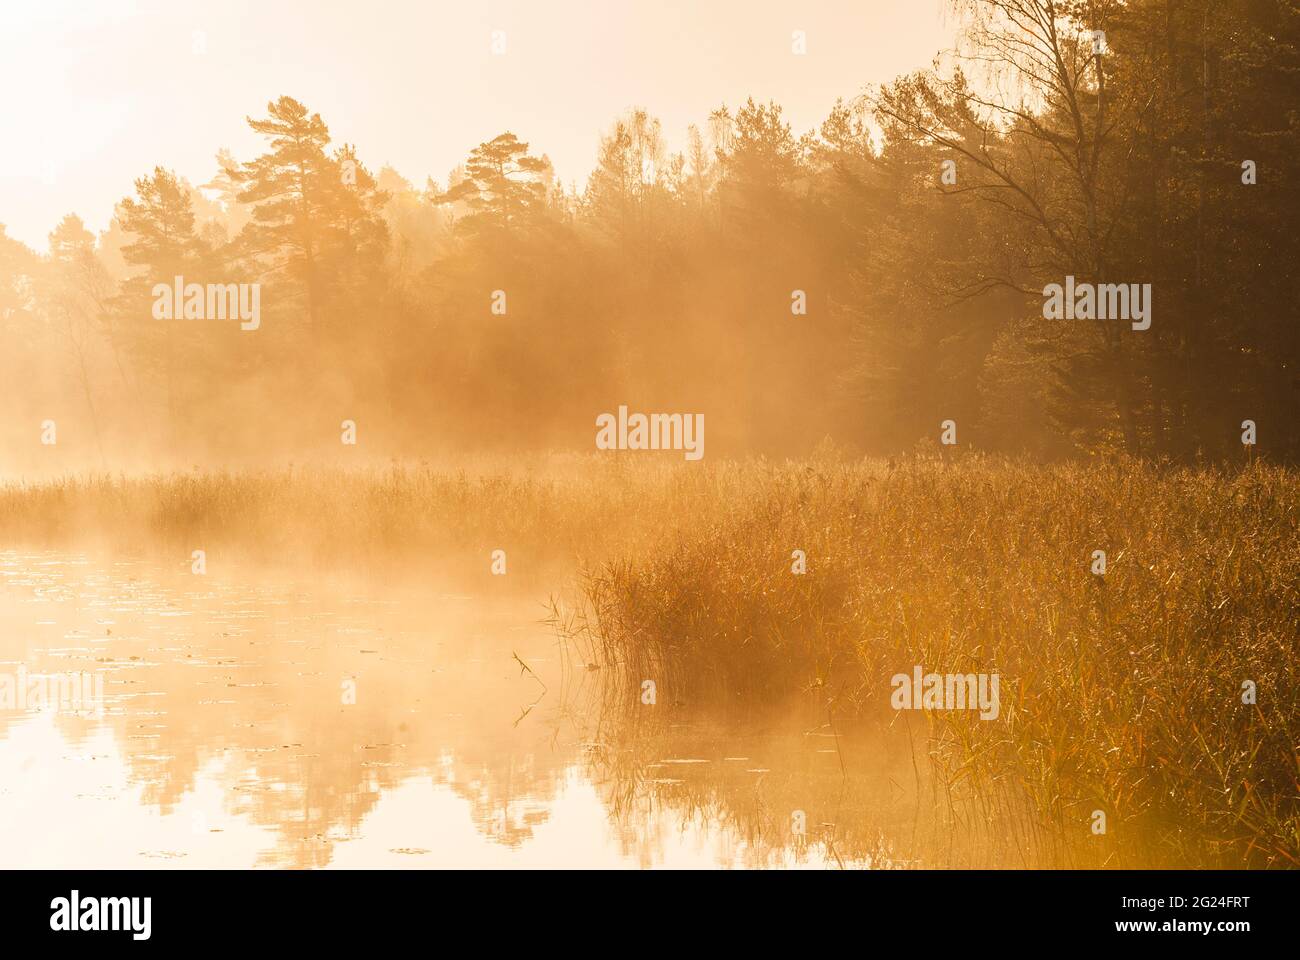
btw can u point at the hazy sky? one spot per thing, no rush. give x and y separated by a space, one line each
98 93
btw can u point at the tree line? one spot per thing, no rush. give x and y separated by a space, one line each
863 281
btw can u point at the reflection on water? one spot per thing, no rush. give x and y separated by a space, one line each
228 736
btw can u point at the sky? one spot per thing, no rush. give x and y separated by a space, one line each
96 94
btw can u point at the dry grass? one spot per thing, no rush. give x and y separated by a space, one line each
419 520
1120 693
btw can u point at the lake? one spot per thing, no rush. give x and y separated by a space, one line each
291 719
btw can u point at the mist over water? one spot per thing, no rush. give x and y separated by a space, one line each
726 435
224 739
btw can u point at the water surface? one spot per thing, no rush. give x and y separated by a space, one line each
283 720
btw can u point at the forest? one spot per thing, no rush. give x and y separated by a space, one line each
858 283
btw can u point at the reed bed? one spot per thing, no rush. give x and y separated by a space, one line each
1121 693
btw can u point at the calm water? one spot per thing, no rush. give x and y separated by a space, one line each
226 737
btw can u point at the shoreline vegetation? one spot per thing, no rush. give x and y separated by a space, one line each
1121 692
